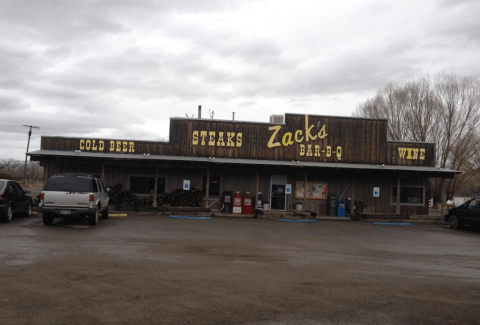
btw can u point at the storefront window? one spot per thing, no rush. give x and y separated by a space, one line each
214 189
409 195
145 185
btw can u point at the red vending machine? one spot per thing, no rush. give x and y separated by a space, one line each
237 203
247 204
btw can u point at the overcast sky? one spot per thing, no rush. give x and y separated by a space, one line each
120 69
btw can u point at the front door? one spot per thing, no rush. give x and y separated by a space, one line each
278 198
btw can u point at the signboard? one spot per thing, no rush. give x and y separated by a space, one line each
186 185
288 189
376 191
315 190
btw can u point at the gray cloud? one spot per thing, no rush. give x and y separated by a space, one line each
123 68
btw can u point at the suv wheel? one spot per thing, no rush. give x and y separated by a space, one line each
48 219
93 218
453 222
28 212
105 213
8 217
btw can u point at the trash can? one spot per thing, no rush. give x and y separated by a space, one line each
341 209
266 205
299 206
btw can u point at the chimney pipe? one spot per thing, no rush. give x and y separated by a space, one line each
233 116
199 112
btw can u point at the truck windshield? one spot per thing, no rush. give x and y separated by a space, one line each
68 184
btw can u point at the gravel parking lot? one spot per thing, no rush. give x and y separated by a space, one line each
143 269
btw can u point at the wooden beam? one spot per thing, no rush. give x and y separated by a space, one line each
102 173
305 193
397 211
45 172
155 188
207 187
442 197
257 187
352 199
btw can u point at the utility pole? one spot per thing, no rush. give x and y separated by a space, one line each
28 145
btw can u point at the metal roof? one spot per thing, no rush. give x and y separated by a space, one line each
240 161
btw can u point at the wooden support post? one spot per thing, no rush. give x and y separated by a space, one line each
352 199
442 197
102 173
257 187
207 187
397 211
155 188
305 193
45 172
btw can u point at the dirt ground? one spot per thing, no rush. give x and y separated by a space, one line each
156 270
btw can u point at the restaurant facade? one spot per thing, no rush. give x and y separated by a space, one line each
295 161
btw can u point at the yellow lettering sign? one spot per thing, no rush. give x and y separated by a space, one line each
230 136
298 133
322 133
211 138
221 142
271 142
239 139
203 135
308 129
411 153
195 138
287 139
309 150
401 152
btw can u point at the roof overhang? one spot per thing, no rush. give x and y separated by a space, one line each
427 171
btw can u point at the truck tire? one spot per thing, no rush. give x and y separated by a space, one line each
93 218
453 222
48 219
28 212
9 215
105 213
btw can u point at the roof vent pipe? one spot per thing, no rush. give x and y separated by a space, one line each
199 112
233 117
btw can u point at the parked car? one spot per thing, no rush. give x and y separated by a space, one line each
465 214
13 200
74 196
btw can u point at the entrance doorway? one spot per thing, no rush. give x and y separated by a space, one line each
278 198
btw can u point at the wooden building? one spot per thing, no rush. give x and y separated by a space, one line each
316 157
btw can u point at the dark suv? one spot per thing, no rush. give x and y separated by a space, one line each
465 214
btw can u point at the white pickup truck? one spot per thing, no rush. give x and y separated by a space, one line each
74 196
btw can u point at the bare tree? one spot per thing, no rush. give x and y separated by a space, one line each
443 109
9 165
